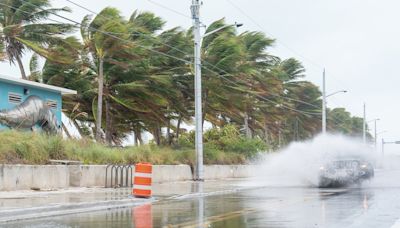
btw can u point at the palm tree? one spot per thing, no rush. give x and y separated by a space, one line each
99 36
222 53
23 27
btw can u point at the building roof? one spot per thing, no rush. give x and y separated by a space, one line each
22 82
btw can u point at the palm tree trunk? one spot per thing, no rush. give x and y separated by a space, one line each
99 102
157 135
178 127
169 141
136 139
21 67
266 134
138 136
66 130
246 126
108 123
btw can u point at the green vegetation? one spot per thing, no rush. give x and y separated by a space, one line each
24 27
35 148
132 75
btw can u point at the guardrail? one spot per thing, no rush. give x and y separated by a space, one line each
119 175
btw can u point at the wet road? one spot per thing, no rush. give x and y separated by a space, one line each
375 204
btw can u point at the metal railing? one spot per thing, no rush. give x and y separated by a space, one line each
119 176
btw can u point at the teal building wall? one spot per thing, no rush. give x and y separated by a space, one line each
6 88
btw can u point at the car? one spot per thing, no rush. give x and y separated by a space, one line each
340 173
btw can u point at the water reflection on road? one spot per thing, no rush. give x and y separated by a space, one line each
373 205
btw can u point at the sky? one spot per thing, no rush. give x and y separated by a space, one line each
356 41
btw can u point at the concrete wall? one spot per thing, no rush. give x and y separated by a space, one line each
21 177
214 172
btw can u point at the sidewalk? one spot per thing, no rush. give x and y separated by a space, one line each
19 205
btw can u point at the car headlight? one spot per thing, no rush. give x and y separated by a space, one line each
364 166
321 168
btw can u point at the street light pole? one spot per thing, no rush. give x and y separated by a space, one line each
376 135
323 104
375 132
324 97
195 9
199 171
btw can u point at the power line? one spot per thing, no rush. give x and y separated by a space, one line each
136 32
255 22
261 97
12 7
174 57
107 33
169 9
319 66
78 5
258 25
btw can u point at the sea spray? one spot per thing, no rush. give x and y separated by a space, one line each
299 163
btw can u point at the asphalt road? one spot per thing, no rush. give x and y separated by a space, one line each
374 204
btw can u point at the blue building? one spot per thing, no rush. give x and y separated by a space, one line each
27 105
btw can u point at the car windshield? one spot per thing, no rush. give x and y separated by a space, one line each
344 164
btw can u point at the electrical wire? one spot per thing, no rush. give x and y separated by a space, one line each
174 57
136 32
307 113
168 8
315 64
106 33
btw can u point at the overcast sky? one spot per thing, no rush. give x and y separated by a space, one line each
357 41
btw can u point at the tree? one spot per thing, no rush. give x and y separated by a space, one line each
99 36
23 27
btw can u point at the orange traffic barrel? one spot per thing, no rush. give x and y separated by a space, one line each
142 216
142 180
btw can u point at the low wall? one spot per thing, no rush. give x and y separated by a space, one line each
22 177
214 172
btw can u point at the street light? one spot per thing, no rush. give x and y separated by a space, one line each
383 145
340 91
237 25
324 96
195 9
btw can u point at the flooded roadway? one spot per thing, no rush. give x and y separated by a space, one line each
376 204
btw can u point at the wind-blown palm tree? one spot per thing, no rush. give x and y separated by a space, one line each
99 36
23 27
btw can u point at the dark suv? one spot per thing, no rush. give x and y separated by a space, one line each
341 173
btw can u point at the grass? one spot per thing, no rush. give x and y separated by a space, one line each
36 148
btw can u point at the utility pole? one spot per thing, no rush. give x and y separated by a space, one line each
323 104
199 171
364 127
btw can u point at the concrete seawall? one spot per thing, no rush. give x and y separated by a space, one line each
23 177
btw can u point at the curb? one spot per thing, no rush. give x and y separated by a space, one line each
47 211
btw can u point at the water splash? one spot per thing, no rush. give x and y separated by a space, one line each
299 163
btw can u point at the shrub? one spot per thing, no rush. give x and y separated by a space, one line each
35 148
226 140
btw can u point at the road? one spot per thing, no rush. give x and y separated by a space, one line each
375 204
